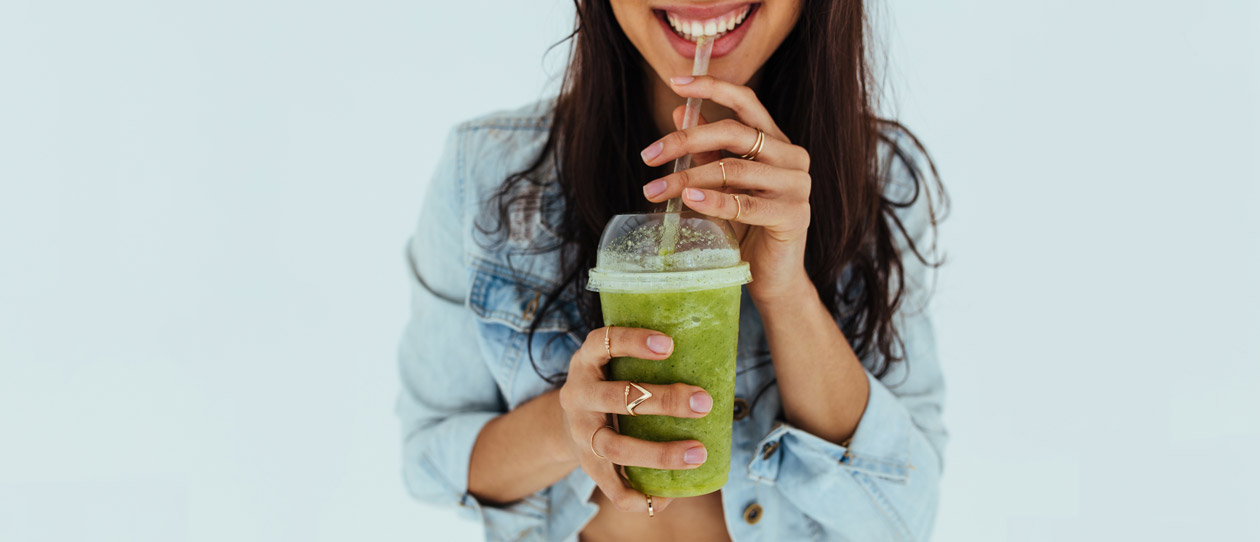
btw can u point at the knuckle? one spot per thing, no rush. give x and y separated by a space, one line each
684 178
566 397
680 398
682 138
750 205
596 335
730 125
667 455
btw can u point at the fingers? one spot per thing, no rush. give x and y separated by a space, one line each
775 214
677 400
701 158
738 98
769 180
624 341
625 498
730 135
676 455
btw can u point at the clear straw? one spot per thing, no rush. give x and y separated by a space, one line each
669 237
704 48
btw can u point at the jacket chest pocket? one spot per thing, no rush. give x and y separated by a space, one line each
505 308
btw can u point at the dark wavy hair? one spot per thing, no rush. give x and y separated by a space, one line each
818 88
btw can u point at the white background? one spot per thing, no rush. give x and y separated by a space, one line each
203 208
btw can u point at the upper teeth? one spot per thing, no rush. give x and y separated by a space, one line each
692 29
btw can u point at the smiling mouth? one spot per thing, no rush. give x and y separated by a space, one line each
691 29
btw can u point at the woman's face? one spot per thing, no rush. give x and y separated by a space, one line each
749 32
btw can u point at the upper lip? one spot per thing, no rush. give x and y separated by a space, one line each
701 13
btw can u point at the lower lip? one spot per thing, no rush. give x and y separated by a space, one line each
721 47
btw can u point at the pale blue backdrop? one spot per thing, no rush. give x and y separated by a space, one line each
203 207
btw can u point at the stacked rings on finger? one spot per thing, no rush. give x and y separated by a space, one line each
630 405
756 148
608 342
597 454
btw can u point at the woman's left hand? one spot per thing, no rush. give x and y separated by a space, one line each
773 190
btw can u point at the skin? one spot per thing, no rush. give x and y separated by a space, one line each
822 382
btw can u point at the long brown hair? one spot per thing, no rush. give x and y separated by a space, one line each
819 90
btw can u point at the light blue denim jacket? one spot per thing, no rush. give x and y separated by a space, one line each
463 362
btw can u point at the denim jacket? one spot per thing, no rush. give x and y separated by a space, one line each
463 362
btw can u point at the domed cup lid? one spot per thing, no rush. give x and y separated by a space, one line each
634 255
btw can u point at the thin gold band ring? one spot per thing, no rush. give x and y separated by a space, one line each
739 207
756 148
597 454
607 341
651 513
723 166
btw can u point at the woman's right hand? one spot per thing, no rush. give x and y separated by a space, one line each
587 399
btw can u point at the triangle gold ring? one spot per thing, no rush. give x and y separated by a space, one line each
630 405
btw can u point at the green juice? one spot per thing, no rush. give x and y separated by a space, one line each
704 325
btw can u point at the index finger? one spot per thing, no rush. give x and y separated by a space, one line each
738 98
603 344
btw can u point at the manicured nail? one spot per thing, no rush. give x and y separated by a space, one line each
652 151
701 402
693 194
654 188
681 79
660 344
695 456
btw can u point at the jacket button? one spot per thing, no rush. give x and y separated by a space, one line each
752 514
741 408
769 449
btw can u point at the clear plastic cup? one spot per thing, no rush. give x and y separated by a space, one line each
692 295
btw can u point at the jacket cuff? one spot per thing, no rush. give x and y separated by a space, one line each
880 446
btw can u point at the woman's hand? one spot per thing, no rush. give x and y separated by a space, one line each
588 399
773 191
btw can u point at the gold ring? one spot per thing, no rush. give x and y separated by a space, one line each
607 342
630 405
651 513
593 440
723 166
739 207
756 148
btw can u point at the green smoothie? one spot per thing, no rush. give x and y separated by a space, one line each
691 294
705 327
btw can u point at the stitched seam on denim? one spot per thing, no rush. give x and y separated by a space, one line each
512 357
882 503
876 467
482 284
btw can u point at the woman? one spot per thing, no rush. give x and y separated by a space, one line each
837 424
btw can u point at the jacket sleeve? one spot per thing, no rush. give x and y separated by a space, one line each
447 392
892 467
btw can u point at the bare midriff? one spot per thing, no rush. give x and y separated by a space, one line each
691 519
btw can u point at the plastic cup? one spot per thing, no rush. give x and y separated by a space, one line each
692 295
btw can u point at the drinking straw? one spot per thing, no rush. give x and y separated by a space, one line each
669 236
704 48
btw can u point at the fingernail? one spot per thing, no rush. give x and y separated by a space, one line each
695 456
660 344
681 79
654 188
701 402
652 151
693 194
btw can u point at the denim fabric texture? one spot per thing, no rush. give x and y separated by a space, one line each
463 361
